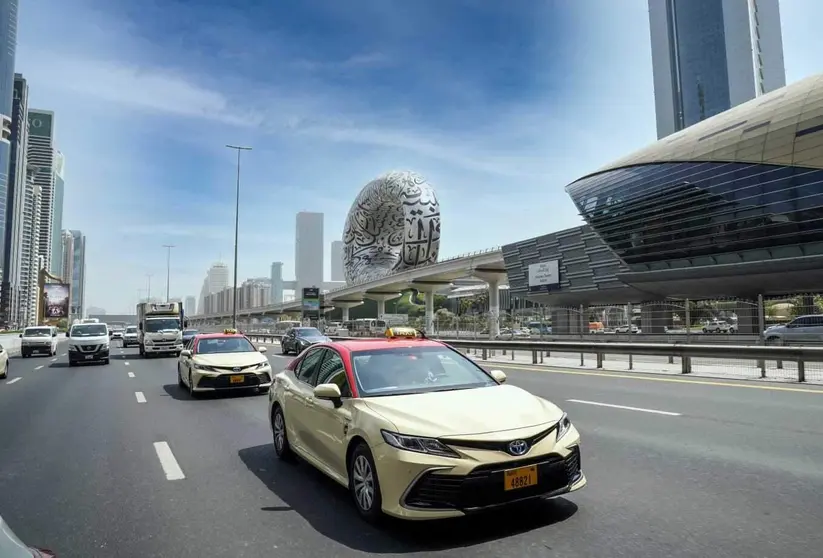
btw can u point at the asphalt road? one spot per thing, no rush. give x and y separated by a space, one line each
677 467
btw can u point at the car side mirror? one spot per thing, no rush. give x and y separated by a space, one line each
21 336
262 349
330 392
54 334
185 353
498 375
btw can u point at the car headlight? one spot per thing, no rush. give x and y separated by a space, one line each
203 367
262 365
563 426
105 346
72 348
148 342
419 444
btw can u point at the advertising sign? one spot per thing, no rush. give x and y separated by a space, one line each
544 276
311 303
55 302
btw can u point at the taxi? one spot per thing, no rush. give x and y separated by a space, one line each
223 361
416 430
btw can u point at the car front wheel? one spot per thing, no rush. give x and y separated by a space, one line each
364 485
282 448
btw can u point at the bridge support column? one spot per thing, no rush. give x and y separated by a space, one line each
493 279
748 317
429 288
655 317
380 299
345 305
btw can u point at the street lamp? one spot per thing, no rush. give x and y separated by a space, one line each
237 148
168 248
148 288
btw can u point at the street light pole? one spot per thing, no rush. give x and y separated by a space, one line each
168 248
148 288
237 148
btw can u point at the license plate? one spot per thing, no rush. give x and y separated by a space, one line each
89 357
523 477
236 379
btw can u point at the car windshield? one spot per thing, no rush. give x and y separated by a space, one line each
214 345
154 325
131 329
189 332
88 330
37 332
410 370
307 332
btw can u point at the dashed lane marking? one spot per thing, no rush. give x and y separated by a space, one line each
131 374
127 364
624 407
141 398
14 381
39 367
168 461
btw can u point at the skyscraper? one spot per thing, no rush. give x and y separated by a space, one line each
217 279
17 240
8 50
711 55
41 156
57 222
337 261
276 295
78 275
308 251
190 307
66 256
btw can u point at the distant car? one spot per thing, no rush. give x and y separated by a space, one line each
4 366
12 547
719 326
188 335
40 339
222 361
416 430
130 337
298 339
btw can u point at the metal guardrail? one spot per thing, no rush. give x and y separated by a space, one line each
686 352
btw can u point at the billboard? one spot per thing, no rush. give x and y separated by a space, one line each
544 276
55 302
311 303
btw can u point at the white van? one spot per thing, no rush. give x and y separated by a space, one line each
88 343
39 339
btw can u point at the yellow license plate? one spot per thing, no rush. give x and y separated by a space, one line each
236 379
520 478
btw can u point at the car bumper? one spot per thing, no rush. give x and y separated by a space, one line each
424 487
130 341
163 349
78 356
36 348
205 381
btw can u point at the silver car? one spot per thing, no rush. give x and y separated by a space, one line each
803 330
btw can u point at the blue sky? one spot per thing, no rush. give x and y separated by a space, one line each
498 104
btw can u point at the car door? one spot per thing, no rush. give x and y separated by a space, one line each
297 396
798 330
331 423
185 361
285 342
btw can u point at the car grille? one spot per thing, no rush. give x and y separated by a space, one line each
224 381
483 487
89 348
240 369
499 446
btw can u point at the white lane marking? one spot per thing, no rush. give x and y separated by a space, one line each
624 407
14 380
168 462
64 354
39 367
54 360
127 364
140 397
131 374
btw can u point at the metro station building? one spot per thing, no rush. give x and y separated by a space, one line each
730 207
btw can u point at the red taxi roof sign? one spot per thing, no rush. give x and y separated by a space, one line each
403 332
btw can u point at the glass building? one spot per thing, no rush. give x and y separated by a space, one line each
740 191
78 275
8 48
711 55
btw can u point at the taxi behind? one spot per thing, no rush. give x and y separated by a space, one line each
418 431
223 361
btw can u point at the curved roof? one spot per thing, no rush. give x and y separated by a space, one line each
783 127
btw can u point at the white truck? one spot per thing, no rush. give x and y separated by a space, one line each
160 328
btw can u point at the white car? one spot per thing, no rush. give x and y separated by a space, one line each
130 337
4 363
223 361
88 343
40 339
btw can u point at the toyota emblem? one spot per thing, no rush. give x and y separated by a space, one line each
238 369
518 447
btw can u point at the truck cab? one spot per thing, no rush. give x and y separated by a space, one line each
160 328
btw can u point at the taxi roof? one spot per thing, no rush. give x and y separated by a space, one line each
372 344
218 335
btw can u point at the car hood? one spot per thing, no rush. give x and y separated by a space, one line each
230 359
465 412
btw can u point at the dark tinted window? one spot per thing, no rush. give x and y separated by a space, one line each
307 332
308 366
675 211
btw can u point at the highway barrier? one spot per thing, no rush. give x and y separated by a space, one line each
685 352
